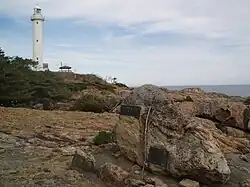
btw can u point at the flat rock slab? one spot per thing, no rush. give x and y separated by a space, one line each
189 183
24 165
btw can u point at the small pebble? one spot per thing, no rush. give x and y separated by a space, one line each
149 185
13 172
137 172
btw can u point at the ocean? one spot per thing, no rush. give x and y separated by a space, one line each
231 90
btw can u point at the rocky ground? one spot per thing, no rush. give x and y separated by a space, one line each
36 147
203 134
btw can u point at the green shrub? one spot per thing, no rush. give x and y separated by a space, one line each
247 101
94 103
121 85
20 86
92 78
76 87
89 103
107 87
104 137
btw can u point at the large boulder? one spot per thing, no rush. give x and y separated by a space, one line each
146 95
195 154
174 142
128 136
113 175
228 113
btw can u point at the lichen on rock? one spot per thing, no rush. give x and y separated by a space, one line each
83 161
184 147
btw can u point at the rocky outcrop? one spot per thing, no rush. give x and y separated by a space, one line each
214 106
193 90
170 140
233 114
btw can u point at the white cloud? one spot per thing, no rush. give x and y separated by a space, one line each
161 65
225 21
210 18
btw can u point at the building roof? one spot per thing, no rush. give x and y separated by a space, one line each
65 67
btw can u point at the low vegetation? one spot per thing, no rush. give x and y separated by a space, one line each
121 85
20 86
104 137
94 103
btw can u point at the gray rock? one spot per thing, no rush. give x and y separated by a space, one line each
240 170
83 161
134 183
150 180
38 106
68 150
246 118
149 185
197 154
175 142
127 132
243 157
235 132
112 175
136 169
189 183
155 181
146 95
160 183
2 150
245 183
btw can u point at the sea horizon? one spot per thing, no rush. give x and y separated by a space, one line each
242 90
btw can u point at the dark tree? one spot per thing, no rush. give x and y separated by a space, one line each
20 85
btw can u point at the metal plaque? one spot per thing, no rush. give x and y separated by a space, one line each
130 110
158 156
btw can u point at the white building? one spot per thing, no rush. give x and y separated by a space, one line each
38 21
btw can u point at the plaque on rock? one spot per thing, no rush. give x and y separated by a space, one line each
158 156
130 110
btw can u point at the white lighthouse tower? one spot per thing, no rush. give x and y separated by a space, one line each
37 21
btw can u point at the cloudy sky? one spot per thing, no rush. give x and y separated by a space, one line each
162 42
